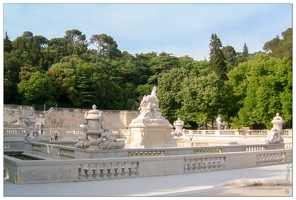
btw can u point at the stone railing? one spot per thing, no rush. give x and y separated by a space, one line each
258 132
106 169
190 133
143 153
13 145
288 145
262 133
14 131
43 171
70 152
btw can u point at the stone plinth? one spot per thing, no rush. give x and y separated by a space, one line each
150 136
150 129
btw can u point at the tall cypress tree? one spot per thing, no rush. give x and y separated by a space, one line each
7 43
245 51
217 61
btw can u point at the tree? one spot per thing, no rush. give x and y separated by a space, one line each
217 60
63 79
7 43
38 89
202 98
160 64
106 46
169 87
229 54
263 86
280 48
12 65
77 41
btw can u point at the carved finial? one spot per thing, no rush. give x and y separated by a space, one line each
94 107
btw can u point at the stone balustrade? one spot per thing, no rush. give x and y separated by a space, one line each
43 171
142 153
53 150
106 169
14 131
190 133
263 133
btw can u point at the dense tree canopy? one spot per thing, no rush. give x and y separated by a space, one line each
245 89
263 87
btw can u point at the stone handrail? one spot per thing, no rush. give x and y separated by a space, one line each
14 131
18 107
263 133
42 171
61 151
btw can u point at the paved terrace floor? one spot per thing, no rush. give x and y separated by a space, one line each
215 183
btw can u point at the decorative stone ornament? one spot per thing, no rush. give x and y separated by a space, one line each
150 129
274 135
95 135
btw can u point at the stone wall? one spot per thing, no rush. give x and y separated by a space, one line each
12 113
69 118
64 118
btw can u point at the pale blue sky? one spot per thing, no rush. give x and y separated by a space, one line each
180 29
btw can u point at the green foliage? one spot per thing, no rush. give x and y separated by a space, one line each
168 92
280 48
217 61
64 71
229 54
37 89
105 45
202 98
263 87
7 43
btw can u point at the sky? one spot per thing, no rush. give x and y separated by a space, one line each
177 28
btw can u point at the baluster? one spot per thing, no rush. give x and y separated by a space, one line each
194 167
272 160
204 163
199 164
220 162
264 159
259 159
132 169
119 170
88 171
104 171
112 171
185 166
125 169
81 171
190 167
98 171
210 164
214 161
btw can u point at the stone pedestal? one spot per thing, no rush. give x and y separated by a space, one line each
150 136
150 129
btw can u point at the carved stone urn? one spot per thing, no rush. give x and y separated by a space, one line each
178 124
94 120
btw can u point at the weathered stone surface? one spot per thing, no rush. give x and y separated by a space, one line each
150 128
95 134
